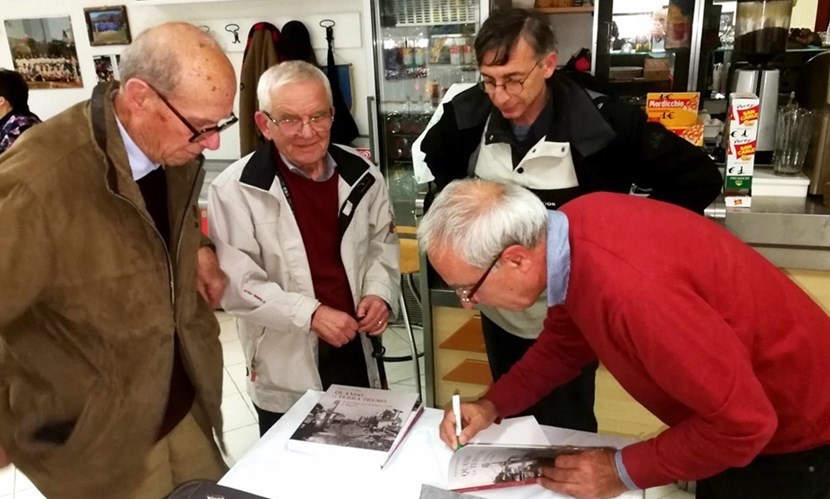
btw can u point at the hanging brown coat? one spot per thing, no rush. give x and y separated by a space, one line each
260 54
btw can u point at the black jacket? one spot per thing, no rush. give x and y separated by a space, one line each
613 147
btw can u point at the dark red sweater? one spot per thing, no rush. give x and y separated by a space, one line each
696 326
316 209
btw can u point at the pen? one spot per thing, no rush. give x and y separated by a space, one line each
456 408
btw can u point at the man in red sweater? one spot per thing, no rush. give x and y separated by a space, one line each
698 327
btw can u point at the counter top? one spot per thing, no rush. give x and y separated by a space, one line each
790 232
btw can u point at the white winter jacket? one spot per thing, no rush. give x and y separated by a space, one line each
270 291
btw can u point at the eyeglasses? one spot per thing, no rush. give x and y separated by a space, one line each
198 135
512 87
466 293
293 126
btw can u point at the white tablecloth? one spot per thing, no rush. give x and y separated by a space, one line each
269 470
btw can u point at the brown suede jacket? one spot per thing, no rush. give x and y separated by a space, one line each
90 300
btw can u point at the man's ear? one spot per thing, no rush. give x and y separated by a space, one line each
262 122
136 94
516 256
550 64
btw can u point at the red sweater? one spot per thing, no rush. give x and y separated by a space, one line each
697 326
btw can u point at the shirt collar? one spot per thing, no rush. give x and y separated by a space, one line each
330 164
140 164
558 257
499 129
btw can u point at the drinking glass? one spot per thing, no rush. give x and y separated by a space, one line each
793 131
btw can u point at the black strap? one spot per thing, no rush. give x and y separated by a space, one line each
349 207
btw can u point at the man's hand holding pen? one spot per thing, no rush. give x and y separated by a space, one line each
475 416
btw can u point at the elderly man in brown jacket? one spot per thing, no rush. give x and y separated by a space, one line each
110 362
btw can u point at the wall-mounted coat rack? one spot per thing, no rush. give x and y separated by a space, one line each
232 32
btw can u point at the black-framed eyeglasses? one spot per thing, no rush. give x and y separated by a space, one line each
466 293
512 87
198 134
293 126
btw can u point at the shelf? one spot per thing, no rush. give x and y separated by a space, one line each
176 2
585 9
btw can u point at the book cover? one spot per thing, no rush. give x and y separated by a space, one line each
479 467
360 423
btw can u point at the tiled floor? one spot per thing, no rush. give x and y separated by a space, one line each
241 429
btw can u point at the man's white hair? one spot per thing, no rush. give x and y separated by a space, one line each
478 219
288 72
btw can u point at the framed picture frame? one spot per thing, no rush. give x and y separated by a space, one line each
107 25
43 51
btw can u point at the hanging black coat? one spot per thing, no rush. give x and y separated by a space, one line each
344 129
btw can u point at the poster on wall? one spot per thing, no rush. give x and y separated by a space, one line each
43 51
107 25
106 67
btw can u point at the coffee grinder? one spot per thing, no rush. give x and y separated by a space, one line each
761 31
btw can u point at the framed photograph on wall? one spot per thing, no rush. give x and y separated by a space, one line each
43 51
107 25
106 66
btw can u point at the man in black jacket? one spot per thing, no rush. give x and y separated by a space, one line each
527 124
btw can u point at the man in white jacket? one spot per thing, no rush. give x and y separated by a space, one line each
305 232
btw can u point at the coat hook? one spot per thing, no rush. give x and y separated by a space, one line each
329 25
233 28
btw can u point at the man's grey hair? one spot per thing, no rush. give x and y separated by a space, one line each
478 219
288 72
150 59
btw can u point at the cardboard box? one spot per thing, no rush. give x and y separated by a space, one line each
673 109
741 144
656 69
692 133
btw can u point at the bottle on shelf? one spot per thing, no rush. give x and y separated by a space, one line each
455 51
468 54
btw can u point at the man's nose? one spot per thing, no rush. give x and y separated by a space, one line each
211 142
500 95
306 130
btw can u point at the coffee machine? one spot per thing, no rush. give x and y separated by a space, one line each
761 31
813 92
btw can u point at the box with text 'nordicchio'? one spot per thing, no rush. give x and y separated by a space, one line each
741 145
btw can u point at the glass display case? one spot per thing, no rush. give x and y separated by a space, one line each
421 47
645 45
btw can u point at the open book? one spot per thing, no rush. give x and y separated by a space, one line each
354 423
478 467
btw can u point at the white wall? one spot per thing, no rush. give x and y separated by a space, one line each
349 30
804 15
573 32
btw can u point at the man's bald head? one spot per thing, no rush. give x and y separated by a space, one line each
176 86
174 56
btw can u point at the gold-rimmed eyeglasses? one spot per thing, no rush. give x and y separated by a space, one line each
198 134
292 125
512 87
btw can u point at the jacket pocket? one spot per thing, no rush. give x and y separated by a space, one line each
285 361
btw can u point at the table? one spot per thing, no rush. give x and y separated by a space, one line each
269 470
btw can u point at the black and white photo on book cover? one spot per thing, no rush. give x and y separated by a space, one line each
362 418
478 467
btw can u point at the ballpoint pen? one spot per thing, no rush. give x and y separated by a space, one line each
456 408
